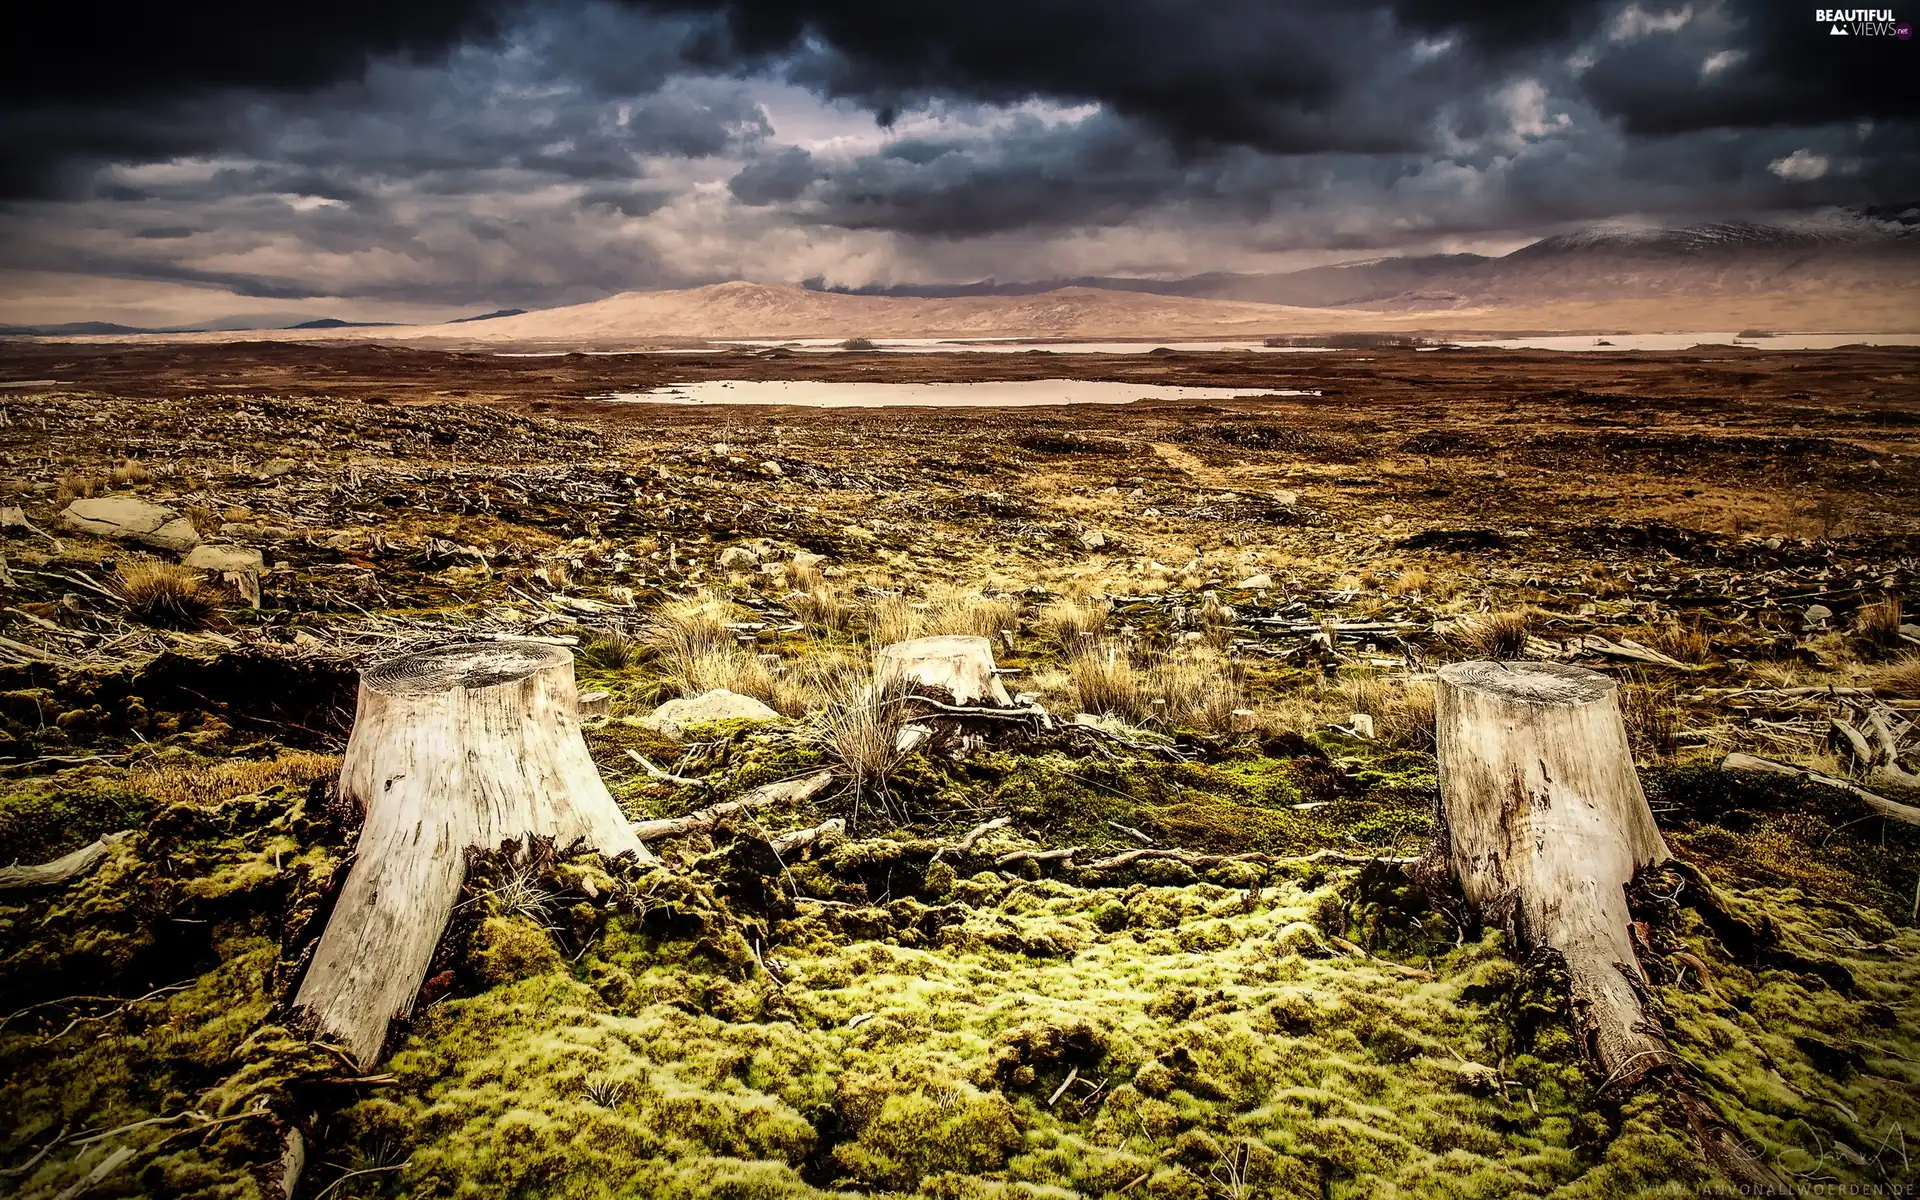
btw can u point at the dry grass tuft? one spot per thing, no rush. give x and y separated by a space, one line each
1075 622
163 594
972 613
1413 579
1195 689
1686 641
129 471
824 606
1498 636
860 727
1900 678
74 486
212 783
1402 710
893 619
1878 624
697 652
1652 713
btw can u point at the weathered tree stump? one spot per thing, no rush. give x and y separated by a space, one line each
1547 825
954 669
456 747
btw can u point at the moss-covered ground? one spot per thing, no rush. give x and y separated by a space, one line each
885 1018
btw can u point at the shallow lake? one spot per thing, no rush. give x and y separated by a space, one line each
1687 341
1007 394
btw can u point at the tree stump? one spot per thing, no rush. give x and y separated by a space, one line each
1547 825
954 669
456 747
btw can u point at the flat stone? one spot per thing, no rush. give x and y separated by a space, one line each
130 519
673 717
1257 583
212 557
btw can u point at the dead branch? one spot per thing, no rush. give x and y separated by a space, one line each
1880 804
69 866
795 790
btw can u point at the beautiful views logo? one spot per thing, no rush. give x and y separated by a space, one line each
1862 22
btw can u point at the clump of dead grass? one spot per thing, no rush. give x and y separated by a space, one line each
1401 709
1073 622
1684 640
825 606
1878 624
1899 678
859 726
163 594
1196 688
1651 710
893 618
206 784
128 472
1496 636
974 614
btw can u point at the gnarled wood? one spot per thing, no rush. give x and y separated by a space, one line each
452 748
954 669
67 866
1547 825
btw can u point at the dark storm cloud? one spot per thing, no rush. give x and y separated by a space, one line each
1783 68
779 176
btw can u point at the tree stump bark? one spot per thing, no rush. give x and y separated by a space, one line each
1547 825
456 747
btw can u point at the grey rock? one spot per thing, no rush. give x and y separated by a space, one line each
1093 539
212 557
128 519
673 717
1258 583
738 558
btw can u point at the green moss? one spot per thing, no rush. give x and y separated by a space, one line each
44 819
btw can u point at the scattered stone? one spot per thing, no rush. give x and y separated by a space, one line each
238 530
673 717
1257 583
738 558
274 468
772 468
214 557
804 560
1093 539
128 519
341 541
1817 615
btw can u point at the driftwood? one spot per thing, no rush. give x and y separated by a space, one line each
1547 825
68 866
1878 803
465 746
787 790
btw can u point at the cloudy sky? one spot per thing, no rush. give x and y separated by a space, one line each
416 160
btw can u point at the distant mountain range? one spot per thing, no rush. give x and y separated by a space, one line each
1852 270
1861 247
224 325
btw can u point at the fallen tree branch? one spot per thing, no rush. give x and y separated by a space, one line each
965 844
787 843
69 866
654 772
1738 761
795 790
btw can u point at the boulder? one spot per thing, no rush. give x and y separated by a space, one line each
673 717
129 519
1093 539
224 558
738 558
